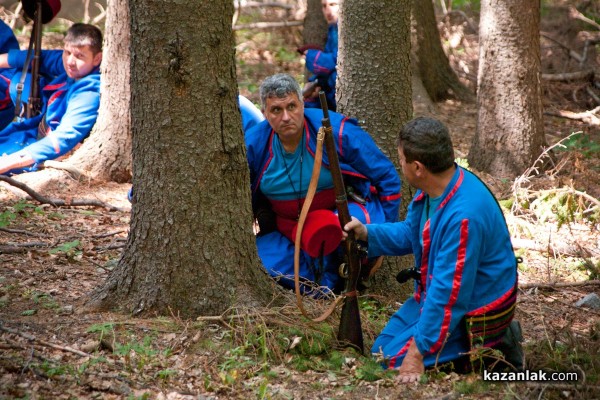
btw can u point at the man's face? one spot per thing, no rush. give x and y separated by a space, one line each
286 116
331 9
79 60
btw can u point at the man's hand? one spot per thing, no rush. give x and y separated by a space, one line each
309 46
412 366
311 90
360 230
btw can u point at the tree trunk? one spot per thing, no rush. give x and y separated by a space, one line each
510 133
315 25
106 153
374 86
438 77
191 247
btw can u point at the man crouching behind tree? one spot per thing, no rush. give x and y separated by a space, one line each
465 269
281 156
70 102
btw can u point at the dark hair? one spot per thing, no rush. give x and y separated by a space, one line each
427 140
85 35
279 85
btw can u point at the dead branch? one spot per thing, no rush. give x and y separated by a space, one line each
43 342
268 25
553 249
22 232
21 247
103 235
588 117
256 4
558 284
75 173
574 13
587 74
572 52
59 202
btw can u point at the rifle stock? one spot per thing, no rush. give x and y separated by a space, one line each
350 330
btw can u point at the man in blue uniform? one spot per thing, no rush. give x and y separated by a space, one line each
281 155
70 102
322 62
8 42
465 269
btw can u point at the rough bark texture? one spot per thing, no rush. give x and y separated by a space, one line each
191 247
438 77
315 25
510 131
106 153
374 86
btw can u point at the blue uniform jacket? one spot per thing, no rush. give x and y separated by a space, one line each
8 42
323 65
70 109
466 261
361 161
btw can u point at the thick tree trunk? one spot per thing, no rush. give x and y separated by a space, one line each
510 133
374 86
191 247
438 77
106 153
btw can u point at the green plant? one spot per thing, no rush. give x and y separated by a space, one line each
19 209
44 299
71 250
582 144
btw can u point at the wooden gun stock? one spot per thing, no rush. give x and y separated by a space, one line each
350 331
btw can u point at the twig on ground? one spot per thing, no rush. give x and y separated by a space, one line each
75 173
558 284
22 232
43 342
58 202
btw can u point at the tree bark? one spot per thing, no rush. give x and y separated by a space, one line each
315 27
374 86
437 75
106 153
510 133
191 247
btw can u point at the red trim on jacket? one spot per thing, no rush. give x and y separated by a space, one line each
400 353
55 86
494 304
456 282
340 143
424 260
454 189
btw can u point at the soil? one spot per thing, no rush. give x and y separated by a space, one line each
51 258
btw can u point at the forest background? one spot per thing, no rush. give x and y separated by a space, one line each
52 258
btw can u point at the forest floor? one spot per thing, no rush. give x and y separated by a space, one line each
51 258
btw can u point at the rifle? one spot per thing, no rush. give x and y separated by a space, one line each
350 331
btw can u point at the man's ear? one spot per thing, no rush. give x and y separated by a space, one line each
97 59
419 168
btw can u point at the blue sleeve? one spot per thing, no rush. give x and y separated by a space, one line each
319 62
451 284
361 152
75 125
389 239
8 41
251 115
51 63
323 63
